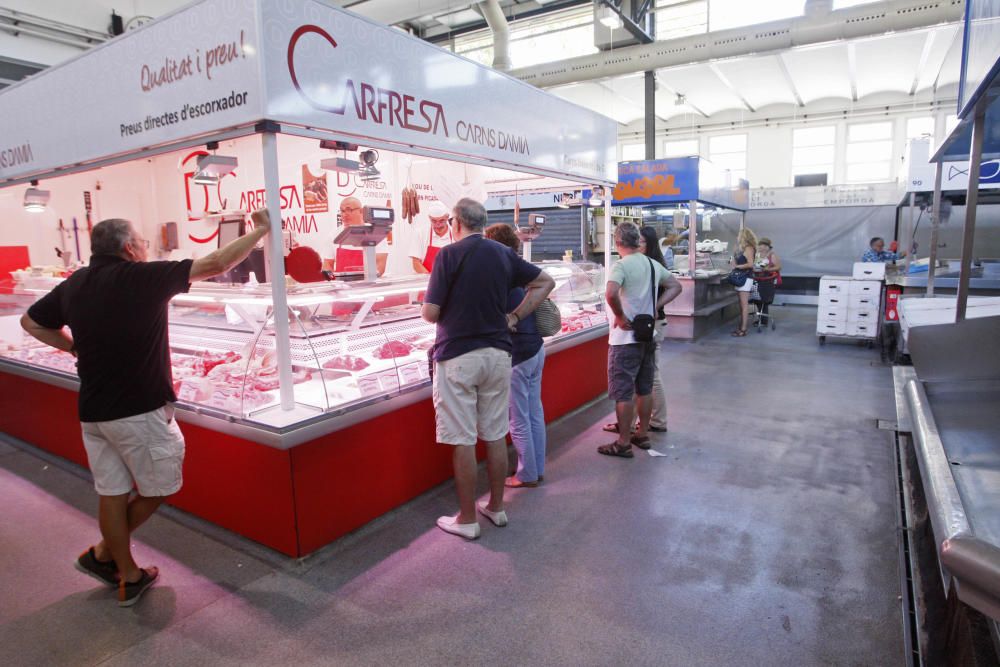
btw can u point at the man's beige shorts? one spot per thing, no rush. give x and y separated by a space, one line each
471 397
146 450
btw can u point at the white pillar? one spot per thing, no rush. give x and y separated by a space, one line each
276 271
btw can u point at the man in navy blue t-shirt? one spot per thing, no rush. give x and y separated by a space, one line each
467 299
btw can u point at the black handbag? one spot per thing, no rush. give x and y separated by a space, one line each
644 325
738 277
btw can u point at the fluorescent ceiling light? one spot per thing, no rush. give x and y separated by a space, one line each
609 17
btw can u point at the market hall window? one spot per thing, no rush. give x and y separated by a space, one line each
680 18
813 150
920 128
680 148
633 152
557 36
869 152
729 152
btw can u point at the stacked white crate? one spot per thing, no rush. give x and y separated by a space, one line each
851 305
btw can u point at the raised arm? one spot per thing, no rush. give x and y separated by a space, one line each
234 252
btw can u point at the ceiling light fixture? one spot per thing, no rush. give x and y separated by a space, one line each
609 18
36 200
211 168
367 171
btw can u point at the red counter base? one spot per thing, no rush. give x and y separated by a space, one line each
299 500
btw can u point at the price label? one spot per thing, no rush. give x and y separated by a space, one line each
369 385
188 392
412 372
390 381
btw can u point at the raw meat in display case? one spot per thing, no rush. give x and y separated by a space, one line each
351 343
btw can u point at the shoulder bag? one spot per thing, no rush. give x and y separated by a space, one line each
548 319
644 325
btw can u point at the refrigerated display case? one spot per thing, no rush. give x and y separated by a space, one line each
351 343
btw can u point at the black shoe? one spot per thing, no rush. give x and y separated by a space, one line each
657 429
129 594
106 573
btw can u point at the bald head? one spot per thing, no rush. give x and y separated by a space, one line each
350 211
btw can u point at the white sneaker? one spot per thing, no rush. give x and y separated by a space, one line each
498 518
450 524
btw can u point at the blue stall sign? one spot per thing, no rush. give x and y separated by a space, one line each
657 181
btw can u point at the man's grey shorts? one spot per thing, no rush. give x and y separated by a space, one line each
631 370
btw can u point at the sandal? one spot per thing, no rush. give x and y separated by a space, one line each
642 443
610 428
615 449
739 333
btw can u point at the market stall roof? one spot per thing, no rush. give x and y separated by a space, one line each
679 181
979 84
222 67
957 147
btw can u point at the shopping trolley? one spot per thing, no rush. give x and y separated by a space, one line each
761 298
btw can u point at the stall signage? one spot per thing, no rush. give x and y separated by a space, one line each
191 73
657 181
331 70
875 194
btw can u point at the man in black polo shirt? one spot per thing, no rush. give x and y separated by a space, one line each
116 311
467 298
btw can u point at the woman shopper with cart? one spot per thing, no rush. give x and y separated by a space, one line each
767 277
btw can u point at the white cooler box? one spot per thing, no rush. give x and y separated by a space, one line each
831 320
862 329
869 271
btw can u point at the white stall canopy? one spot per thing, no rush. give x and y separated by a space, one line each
221 67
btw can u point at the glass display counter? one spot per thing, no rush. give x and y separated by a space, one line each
352 343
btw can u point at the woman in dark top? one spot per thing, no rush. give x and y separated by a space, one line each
527 417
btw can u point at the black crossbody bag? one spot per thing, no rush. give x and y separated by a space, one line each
447 297
644 325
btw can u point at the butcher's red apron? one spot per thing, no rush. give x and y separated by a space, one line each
432 252
348 259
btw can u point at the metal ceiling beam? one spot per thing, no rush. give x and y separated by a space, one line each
788 79
728 84
925 54
852 70
856 22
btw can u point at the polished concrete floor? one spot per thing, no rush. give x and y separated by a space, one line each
765 536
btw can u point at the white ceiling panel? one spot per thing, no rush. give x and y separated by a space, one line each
597 98
759 80
951 68
819 72
888 63
701 87
946 39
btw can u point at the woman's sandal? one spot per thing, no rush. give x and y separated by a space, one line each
614 449
739 333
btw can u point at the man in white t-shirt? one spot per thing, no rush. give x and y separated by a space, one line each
631 364
348 258
428 240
